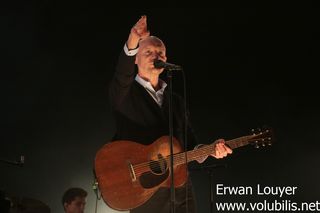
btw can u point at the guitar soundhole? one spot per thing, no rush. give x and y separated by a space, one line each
158 173
159 166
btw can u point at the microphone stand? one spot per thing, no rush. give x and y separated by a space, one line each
172 190
16 163
170 67
210 169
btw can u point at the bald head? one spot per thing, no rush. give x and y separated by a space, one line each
151 41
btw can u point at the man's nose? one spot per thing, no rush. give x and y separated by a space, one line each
155 56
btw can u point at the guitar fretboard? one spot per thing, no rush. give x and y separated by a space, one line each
205 150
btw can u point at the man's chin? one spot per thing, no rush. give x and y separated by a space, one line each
157 71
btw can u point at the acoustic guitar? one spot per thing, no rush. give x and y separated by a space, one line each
129 173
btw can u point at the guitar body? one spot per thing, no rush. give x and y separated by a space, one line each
129 173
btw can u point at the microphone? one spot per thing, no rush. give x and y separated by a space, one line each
17 163
21 163
161 64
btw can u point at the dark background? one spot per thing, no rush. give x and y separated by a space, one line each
245 67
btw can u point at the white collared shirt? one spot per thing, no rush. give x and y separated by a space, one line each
156 95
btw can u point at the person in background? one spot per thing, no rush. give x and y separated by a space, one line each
74 200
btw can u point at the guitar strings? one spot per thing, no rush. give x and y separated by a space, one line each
178 159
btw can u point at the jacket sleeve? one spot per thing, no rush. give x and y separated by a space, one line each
122 79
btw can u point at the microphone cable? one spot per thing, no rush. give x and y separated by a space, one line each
185 135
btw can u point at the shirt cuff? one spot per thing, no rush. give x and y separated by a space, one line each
130 52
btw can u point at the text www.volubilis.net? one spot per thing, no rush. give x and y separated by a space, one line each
265 206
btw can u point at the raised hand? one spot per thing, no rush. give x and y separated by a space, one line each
138 32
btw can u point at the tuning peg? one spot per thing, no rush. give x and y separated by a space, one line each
256 145
253 131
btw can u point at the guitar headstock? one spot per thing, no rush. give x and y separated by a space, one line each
261 137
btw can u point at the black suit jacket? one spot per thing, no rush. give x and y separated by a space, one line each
138 117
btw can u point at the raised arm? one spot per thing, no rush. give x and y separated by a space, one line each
125 69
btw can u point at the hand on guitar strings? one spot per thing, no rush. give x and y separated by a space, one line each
220 150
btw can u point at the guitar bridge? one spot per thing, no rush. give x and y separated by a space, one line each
132 173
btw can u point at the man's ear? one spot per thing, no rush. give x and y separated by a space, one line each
65 205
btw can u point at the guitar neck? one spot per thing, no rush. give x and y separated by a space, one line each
206 150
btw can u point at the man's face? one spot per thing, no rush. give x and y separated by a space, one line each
149 51
76 206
